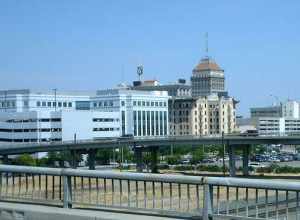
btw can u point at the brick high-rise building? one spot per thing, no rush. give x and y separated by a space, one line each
208 78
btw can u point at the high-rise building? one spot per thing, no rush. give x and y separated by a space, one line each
143 113
209 115
207 79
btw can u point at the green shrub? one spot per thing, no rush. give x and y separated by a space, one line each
25 160
211 168
287 169
184 167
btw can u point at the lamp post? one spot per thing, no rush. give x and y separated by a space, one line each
223 145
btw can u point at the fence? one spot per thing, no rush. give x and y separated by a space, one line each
157 194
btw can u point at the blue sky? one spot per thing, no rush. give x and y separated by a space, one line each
94 44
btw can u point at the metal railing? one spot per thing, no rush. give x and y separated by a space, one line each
157 194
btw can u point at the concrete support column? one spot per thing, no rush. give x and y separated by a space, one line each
91 159
139 159
231 154
74 162
154 155
5 159
246 155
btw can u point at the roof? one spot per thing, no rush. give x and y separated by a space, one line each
207 64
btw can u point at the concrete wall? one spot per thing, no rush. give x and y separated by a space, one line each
17 211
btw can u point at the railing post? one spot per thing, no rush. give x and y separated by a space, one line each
207 200
1 184
67 199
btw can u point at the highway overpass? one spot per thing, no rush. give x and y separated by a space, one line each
150 144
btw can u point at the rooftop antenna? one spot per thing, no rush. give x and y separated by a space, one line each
206 43
122 74
140 71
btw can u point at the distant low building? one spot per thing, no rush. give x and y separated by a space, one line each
270 111
178 89
282 119
33 116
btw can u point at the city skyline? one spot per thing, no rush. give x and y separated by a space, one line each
72 46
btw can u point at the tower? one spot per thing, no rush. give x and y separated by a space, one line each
207 78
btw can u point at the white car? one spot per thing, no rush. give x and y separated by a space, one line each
256 165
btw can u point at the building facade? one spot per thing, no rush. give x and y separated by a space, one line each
28 116
178 89
270 111
281 119
28 100
143 113
268 126
207 79
64 125
210 115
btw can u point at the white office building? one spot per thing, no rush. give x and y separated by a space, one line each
290 109
143 113
278 126
27 116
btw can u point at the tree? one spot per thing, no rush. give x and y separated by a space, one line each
25 160
197 155
173 159
103 156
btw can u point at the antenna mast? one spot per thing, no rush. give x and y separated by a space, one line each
140 71
206 43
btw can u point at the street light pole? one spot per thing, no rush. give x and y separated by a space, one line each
223 145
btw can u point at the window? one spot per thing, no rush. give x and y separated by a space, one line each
139 103
70 104
54 104
105 103
152 103
43 104
49 104
122 103
100 104
59 104
111 103
95 104
26 103
134 103
65 104
147 103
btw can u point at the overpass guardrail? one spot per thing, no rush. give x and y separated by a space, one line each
157 194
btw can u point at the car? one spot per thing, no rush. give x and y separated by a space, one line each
185 161
208 160
274 159
256 165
